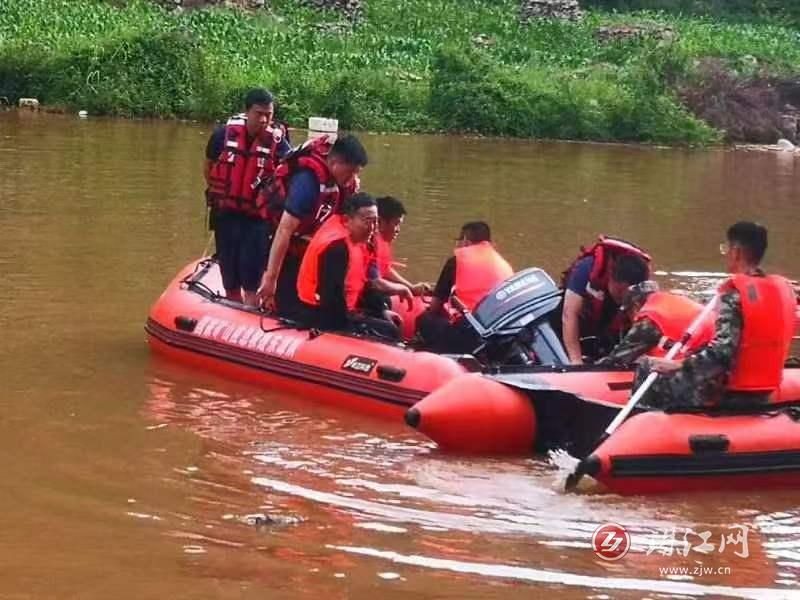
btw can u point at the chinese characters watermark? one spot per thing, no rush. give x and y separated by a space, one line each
702 542
611 541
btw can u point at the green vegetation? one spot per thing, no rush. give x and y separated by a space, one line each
418 65
730 10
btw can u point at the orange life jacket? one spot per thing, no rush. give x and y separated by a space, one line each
355 280
382 254
241 168
673 314
768 315
604 251
311 155
479 267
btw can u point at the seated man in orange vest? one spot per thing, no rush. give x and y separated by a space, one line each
384 280
473 270
333 273
659 321
743 363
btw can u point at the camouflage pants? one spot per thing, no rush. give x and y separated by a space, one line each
688 389
683 389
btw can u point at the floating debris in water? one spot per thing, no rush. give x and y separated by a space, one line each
265 520
389 575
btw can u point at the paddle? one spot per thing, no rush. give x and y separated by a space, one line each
581 468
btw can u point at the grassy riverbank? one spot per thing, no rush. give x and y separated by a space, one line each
418 65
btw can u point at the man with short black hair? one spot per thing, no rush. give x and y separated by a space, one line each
307 189
239 156
743 363
385 281
594 287
333 273
471 273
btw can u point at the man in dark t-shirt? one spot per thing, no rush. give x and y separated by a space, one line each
434 326
578 320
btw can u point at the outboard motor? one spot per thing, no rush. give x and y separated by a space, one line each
513 321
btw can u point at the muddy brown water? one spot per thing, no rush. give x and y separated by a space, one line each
124 476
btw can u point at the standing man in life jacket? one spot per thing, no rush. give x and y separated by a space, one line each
308 187
239 156
594 286
471 273
743 363
384 280
333 273
659 321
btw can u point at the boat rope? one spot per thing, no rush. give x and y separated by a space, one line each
285 323
208 245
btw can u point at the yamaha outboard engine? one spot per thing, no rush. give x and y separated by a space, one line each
513 321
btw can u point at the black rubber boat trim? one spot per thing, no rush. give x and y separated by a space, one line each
705 465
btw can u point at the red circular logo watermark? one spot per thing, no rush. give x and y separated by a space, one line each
611 541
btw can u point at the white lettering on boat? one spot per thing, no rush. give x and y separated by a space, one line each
219 326
254 339
284 344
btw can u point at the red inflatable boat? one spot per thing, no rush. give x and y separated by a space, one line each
519 408
656 453
192 323
569 408
538 409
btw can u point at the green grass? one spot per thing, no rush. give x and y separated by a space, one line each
409 66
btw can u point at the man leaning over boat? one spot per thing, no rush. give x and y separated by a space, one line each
309 186
594 285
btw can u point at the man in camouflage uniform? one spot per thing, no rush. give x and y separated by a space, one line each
700 379
643 336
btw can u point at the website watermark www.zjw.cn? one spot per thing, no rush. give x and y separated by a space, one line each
697 571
